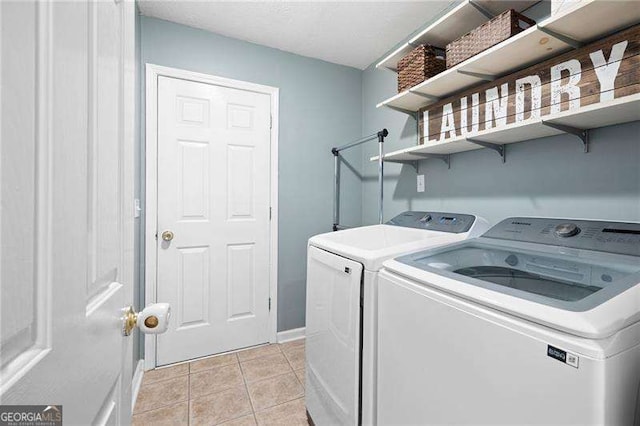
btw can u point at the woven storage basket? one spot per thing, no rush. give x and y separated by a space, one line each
500 28
421 63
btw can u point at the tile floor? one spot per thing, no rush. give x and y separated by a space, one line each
257 386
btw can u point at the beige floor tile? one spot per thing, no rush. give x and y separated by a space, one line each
215 361
274 391
220 407
215 380
265 367
291 413
161 394
292 344
300 375
177 415
295 355
249 420
164 373
260 351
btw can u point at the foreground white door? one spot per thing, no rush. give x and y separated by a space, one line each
66 191
213 192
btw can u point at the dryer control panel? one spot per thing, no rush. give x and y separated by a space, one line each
434 221
611 237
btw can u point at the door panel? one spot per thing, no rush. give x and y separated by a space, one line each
194 291
213 194
22 334
241 283
66 189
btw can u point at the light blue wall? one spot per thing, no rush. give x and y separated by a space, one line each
320 107
323 105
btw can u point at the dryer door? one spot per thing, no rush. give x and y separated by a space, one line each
333 338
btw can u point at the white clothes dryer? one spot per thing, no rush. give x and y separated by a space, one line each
342 271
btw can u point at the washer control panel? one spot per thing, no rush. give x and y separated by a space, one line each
434 221
612 237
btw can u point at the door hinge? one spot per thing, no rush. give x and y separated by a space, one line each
271 121
269 304
156 235
269 213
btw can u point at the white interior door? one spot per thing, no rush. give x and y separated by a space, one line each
66 191
213 196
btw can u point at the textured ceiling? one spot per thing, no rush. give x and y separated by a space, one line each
353 33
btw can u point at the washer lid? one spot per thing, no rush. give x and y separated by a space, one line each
406 233
371 245
548 284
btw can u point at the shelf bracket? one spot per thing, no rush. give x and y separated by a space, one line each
411 163
482 10
481 76
405 111
444 157
582 134
500 149
563 38
424 95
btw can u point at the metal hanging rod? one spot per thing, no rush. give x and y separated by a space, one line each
336 150
336 173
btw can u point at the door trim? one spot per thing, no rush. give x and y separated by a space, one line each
151 174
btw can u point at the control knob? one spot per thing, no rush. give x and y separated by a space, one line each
426 218
565 230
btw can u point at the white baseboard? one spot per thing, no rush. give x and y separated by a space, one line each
289 335
136 383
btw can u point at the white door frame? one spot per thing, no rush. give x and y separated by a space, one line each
151 199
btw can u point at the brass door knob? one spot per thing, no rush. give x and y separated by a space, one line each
167 235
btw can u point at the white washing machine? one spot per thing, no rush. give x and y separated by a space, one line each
342 270
537 322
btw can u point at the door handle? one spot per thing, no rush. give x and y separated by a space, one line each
154 319
167 235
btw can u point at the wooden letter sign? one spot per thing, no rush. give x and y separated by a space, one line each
604 70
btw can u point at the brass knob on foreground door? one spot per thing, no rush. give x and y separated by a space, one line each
153 319
167 235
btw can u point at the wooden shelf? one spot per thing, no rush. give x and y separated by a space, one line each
617 111
563 31
459 21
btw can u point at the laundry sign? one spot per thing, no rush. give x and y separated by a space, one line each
601 71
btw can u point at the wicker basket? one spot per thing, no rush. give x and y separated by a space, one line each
500 28
421 63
